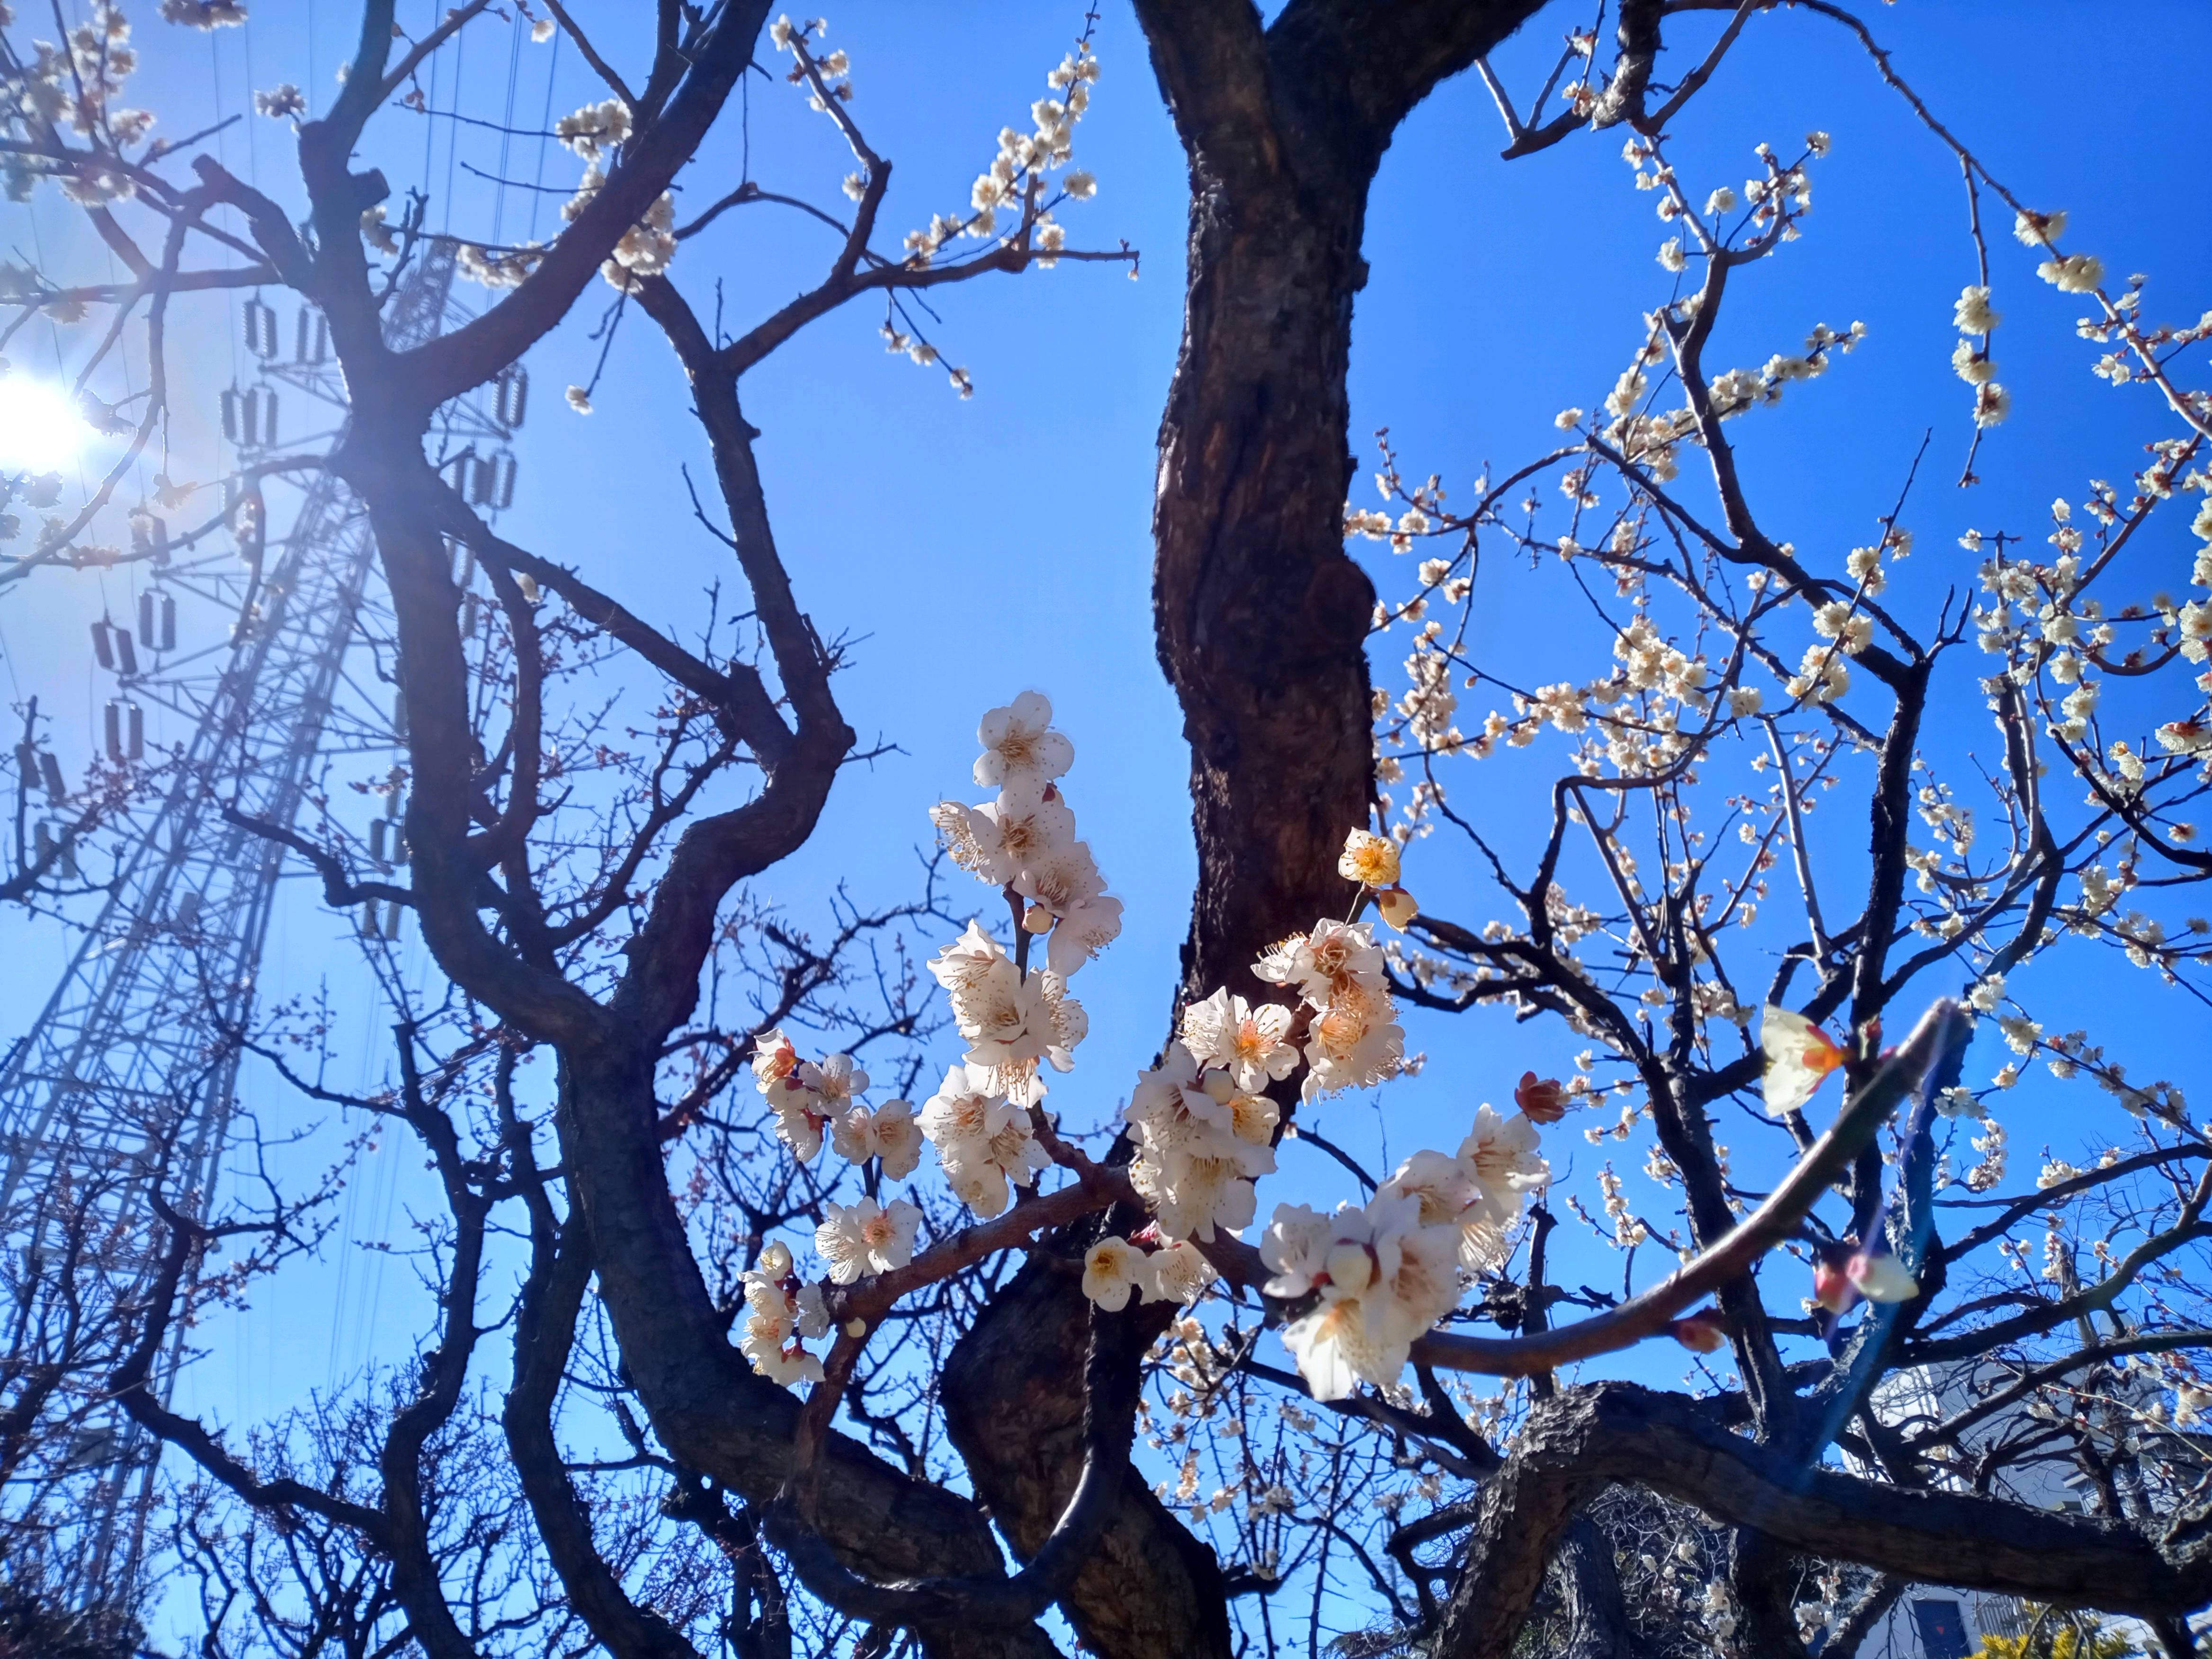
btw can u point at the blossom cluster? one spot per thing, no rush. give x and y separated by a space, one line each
204 15
1371 1280
1205 1121
808 1097
782 1315
1024 840
1015 1019
1379 1277
1205 1128
595 133
1016 179
1114 1267
76 85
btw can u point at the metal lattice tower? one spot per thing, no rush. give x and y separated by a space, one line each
131 1063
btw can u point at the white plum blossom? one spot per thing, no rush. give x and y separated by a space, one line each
1009 1026
1069 1024
1025 842
865 1237
1799 1057
800 1112
1972 312
1354 1040
1450 1196
1354 1043
1019 745
798 1124
835 1084
775 1061
782 1315
965 963
1369 859
595 128
1081 930
1504 1155
889 1133
2073 273
1974 368
982 1138
1180 1272
1017 830
1111 1269
1380 1277
1193 1167
1334 954
281 102
1251 1044
1060 878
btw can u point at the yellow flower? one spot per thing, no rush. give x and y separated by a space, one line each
1369 859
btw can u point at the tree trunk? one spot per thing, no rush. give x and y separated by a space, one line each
1261 621
1590 1591
1763 1577
1150 1587
705 1404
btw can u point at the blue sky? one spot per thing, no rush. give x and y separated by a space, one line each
972 548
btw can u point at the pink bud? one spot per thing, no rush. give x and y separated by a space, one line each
1544 1099
1832 1289
1701 1331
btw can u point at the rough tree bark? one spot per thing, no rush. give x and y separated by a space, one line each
1177 1606
1590 1594
1261 624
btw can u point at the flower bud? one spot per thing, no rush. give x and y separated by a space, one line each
1544 1099
1701 1331
1832 1289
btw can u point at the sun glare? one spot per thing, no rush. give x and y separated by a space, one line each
40 428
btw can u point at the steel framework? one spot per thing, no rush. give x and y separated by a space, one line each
133 1064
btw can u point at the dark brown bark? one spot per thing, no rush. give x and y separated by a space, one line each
544 1335
706 1403
2175 1639
1260 617
1589 1595
1031 1474
1763 1578
1524 1510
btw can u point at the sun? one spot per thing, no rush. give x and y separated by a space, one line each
41 429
